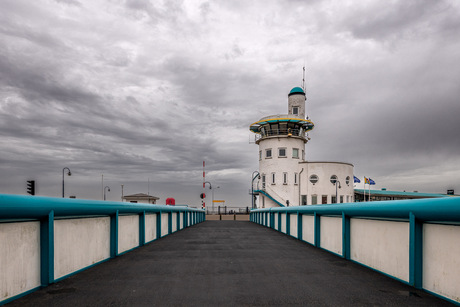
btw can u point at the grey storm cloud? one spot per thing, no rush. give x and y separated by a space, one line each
142 92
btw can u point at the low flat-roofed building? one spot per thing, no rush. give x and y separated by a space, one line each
141 198
378 195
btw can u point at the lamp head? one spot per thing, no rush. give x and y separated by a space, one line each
69 173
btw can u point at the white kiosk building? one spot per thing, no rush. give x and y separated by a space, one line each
285 177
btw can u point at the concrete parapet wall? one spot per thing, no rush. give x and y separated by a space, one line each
79 243
413 241
20 258
66 236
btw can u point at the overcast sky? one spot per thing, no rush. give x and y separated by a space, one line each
143 91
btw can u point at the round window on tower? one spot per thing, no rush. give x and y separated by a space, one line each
347 180
313 179
333 179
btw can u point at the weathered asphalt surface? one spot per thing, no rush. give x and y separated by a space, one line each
228 263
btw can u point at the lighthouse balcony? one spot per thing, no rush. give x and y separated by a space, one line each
280 116
285 132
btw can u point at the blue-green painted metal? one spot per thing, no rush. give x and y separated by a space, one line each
345 236
402 194
159 225
37 207
296 90
47 249
169 223
415 251
434 209
445 210
288 224
142 229
269 196
299 226
17 208
114 235
317 228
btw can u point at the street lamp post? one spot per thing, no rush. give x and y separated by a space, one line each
336 196
252 187
213 200
210 187
69 174
106 188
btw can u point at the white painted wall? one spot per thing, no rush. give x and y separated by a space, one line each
276 220
181 220
279 165
283 222
164 224
293 225
79 243
331 234
150 227
308 228
324 171
174 222
390 255
441 261
20 258
128 232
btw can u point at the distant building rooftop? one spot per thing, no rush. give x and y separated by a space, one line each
141 198
394 195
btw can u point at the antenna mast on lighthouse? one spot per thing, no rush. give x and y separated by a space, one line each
303 79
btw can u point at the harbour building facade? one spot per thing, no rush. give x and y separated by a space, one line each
286 177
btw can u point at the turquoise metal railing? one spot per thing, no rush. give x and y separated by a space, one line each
417 214
16 209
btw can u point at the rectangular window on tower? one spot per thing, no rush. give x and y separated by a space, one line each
268 153
295 178
260 154
314 199
263 181
282 152
285 178
304 200
273 178
295 110
295 153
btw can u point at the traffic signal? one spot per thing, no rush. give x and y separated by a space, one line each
31 187
202 195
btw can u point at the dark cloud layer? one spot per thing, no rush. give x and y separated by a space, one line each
143 91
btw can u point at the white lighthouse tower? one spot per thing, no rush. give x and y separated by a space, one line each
281 139
286 178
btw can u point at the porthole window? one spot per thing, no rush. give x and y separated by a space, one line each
313 179
347 180
333 179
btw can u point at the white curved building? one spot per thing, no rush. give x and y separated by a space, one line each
286 178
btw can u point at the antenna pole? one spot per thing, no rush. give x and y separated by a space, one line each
303 79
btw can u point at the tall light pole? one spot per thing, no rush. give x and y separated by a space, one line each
122 192
252 186
69 174
213 200
210 187
106 188
336 199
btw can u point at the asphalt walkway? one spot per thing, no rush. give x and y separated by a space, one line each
228 263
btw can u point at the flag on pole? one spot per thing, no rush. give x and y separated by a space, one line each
370 181
366 180
356 179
